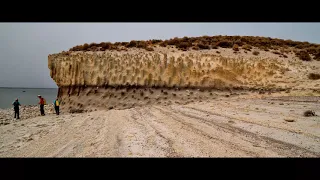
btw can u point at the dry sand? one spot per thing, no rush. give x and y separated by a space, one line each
251 125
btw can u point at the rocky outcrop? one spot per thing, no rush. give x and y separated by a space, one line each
150 69
167 67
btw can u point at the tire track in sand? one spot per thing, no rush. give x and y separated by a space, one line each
282 148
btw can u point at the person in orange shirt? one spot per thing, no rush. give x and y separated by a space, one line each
41 102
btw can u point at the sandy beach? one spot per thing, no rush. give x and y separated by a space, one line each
250 125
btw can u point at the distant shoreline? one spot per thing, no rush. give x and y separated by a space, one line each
24 88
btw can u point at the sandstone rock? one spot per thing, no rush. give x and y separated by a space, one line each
77 71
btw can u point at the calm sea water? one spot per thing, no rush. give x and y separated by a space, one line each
29 97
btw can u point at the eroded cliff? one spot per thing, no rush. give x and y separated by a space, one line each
82 73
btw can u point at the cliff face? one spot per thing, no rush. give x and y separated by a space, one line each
171 69
96 74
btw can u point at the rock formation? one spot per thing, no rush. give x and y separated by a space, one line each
98 71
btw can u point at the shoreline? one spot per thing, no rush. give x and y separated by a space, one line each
127 98
26 112
25 88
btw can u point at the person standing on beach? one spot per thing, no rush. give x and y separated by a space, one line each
16 105
41 102
56 104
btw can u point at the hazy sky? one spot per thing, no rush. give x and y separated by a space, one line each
24 47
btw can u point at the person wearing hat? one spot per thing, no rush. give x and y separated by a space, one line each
41 102
16 105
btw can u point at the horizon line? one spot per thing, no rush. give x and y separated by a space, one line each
29 87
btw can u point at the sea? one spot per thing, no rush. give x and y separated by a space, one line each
26 96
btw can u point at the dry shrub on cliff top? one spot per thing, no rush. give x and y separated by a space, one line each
225 44
155 41
213 41
66 53
184 45
284 50
195 48
105 45
303 55
317 56
214 46
137 44
85 46
142 44
203 46
132 44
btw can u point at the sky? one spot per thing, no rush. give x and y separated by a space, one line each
24 47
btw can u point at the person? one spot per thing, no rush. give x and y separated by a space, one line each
56 104
41 102
16 105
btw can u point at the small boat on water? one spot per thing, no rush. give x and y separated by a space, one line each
23 91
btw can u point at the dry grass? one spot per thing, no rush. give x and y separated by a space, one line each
203 46
317 56
211 42
303 55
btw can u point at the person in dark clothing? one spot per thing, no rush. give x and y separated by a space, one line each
41 102
16 105
56 104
